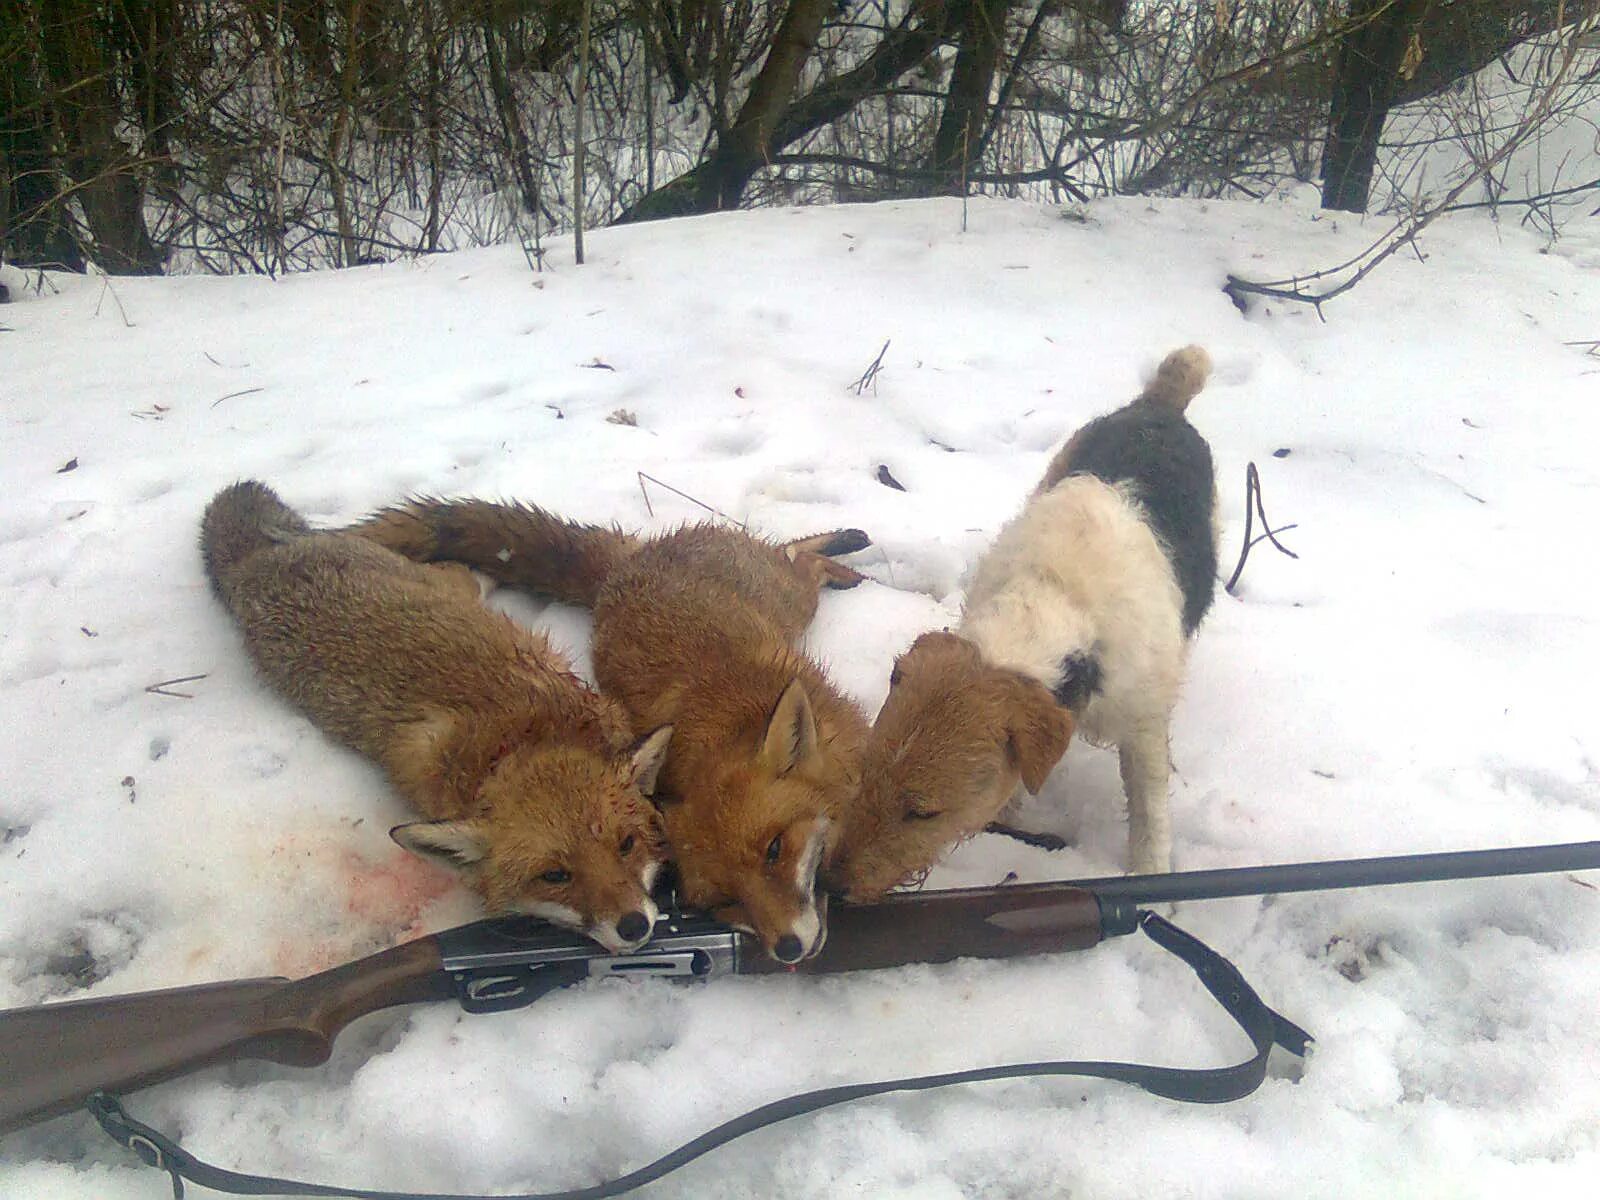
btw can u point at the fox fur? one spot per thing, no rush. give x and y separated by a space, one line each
534 788
1084 602
696 629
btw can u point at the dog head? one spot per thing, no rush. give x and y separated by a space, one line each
949 747
562 833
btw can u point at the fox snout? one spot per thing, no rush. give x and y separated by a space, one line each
782 906
627 932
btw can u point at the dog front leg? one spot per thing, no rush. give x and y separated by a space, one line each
1143 758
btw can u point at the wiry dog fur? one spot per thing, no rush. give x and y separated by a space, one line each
696 628
536 790
1086 598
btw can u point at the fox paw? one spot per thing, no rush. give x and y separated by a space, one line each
1044 841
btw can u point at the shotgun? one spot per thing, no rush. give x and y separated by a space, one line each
61 1056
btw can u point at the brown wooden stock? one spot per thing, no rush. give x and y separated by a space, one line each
54 1055
937 927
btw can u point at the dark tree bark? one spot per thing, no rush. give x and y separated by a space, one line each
719 181
742 148
1459 37
149 40
100 167
1364 89
33 231
958 142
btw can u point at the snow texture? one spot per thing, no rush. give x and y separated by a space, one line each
1421 678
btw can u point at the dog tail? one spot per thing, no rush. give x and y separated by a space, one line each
1179 378
514 544
240 520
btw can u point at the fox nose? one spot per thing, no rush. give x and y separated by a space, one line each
788 949
634 927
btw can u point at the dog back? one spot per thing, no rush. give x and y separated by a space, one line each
1167 464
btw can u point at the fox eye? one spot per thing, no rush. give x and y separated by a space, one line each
774 849
894 677
627 845
557 875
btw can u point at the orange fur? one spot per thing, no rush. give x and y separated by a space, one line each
534 790
696 629
953 741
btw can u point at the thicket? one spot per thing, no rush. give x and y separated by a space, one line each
279 135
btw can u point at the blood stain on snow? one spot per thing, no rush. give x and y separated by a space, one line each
394 891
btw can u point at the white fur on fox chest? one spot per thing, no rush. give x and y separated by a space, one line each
1078 570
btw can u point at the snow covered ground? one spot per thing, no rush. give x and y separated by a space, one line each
1421 678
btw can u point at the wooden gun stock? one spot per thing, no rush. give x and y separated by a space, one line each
53 1056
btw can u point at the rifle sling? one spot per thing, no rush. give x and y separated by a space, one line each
1221 978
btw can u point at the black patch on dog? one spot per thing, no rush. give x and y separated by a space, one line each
1168 464
1080 680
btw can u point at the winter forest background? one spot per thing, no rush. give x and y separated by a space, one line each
151 136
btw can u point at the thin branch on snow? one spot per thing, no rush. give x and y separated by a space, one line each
1252 506
869 377
676 492
163 688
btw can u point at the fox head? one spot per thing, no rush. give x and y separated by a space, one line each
561 833
949 747
748 852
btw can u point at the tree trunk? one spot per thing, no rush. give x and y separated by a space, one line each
99 165
33 231
742 149
1363 91
960 136
1459 37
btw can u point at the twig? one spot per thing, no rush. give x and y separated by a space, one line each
105 286
160 689
1252 506
219 363
869 377
1591 347
232 395
651 510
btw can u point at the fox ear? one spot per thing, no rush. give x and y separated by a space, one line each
1037 732
649 752
453 844
792 732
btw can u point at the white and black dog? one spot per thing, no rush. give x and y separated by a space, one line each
1089 596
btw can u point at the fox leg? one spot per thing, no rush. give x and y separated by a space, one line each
813 557
453 578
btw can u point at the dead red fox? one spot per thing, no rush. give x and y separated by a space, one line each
695 629
535 786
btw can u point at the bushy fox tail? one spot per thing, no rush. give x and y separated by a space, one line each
241 519
1179 378
514 544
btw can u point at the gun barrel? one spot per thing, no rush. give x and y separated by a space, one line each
1341 873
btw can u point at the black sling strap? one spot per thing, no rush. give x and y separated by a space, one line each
1221 978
